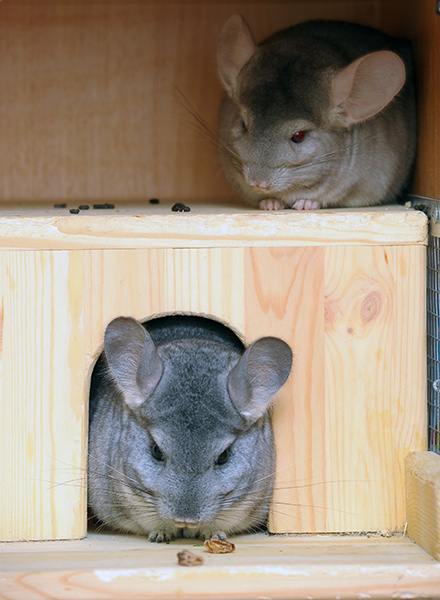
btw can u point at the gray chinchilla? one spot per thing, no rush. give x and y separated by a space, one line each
180 438
318 115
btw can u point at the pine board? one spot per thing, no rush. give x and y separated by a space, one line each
316 567
141 225
352 409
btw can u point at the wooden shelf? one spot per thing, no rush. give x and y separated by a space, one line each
288 567
43 227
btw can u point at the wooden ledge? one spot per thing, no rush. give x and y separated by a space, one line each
147 226
422 486
288 567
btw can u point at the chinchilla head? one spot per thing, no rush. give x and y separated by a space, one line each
315 112
190 419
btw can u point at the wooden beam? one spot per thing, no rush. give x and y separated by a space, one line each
422 470
144 226
288 567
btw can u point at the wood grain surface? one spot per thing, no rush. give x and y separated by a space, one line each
279 567
95 95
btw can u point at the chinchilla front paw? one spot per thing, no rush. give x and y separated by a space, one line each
271 204
160 536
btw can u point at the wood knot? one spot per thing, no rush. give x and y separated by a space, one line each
371 306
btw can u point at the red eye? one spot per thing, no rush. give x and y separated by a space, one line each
298 137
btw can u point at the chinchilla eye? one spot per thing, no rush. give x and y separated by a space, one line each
157 453
223 457
298 137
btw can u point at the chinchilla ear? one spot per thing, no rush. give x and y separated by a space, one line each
235 47
363 88
133 359
261 371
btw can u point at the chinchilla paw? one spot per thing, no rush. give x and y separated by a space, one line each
271 204
303 204
160 536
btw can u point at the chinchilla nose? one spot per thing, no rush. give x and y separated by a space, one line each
253 179
256 184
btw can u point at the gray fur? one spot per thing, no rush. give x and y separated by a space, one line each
358 150
205 394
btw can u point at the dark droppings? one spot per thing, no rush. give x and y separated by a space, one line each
74 211
103 206
60 205
180 207
154 201
84 207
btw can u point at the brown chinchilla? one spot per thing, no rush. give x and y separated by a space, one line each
321 114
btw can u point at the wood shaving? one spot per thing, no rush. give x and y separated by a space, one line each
218 546
186 558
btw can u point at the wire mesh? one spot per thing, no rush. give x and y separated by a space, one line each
433 341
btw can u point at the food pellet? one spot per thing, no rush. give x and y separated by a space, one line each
218 546
186 558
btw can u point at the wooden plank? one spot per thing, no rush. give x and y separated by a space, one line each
285 297
209 226
422 471
355 404
316 567
42 409
375 374
353 408
91 105
151 282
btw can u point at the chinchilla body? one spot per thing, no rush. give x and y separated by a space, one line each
180 438
320 114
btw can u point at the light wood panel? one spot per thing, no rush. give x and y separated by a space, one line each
422 472
285 297
91 105
209 226
287 567
373 360
353 407
43 409
356 402
156 281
